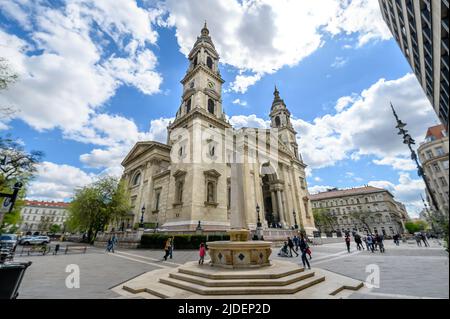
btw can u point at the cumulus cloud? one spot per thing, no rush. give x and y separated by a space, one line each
239 121
57 182
318 189
261 37
239 102
407 191
72 59
365 125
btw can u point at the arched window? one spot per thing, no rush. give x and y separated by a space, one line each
137 179
211 197
277 121
211 106
209 63
188 106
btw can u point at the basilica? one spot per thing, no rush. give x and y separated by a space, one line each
185 184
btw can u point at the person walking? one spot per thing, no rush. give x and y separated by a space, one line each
379 240
113 242
202 253
296 242
109 245
358 242
167 248
424 239
172 247
303 245
291 247
347 242
55 252
370 243
365 242
418 240
396 238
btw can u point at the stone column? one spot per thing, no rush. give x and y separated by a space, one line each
281 211
274 205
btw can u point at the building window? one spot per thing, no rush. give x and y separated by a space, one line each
277 121
429 154
188 106
211 106
302 183
211 181
179 192
442 181
137 179
209 62
440 151
436 168
445 164
157 199
195 60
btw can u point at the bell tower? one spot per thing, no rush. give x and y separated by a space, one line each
280 118
202 84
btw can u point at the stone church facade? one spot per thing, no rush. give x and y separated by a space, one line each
176 185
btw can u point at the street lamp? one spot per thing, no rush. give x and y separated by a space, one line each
141 224
258 223
295 220
408 140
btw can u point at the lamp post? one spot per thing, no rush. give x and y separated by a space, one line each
408 140
295 220
259 229
141 224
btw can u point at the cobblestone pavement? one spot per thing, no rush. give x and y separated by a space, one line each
406 271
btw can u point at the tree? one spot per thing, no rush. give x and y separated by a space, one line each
97 205
7 77
416 226
16 164
363 217
323 219
55 228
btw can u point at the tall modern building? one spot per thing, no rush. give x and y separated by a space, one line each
421 28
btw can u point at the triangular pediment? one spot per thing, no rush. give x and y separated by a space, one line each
140 148
212 173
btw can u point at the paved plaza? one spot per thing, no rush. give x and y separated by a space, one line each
406 271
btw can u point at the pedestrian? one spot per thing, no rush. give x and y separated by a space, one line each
370 243
358 242
202 253
365 242
379 239
296 242
291 247
418 239
171 248
347 242
424 239
113 242
108 245
396 239
303 248
284 250
167 248
55 252
308 251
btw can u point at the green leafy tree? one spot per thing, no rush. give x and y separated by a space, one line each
323 219
97 205
55 228
416 226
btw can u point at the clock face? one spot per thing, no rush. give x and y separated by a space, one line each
211 84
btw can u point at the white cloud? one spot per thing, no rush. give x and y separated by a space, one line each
403 164
118 135
261 37
317 179
239 102
407 191
318 189
73 59
339 62
366 125
362 17
239 121
57 182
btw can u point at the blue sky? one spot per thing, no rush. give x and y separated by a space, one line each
97 76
